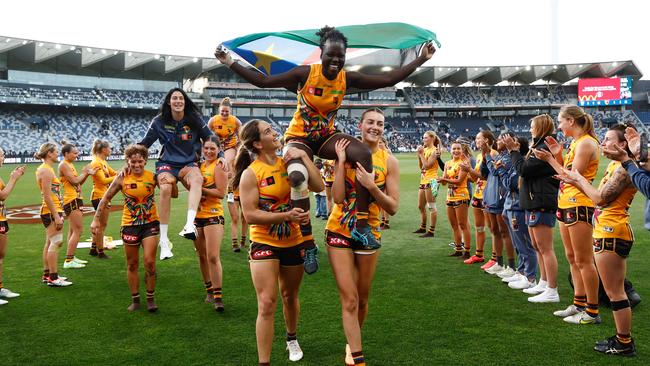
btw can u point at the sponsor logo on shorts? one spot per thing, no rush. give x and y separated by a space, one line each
163 167
262 254
129 238
533 217
337 241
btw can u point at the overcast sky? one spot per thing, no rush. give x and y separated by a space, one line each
472 33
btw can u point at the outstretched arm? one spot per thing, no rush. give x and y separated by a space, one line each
289 80
363 81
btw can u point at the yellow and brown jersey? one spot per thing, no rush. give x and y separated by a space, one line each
71 191
54 192
456 192
343 217
570 196
102 178
139 204
480 183
318 101
3 208
426 175
328 171
613 219
274 194
209 206
225 130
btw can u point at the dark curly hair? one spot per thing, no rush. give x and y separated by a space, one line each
330 33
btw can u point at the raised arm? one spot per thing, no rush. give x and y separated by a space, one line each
364 81
289 80
338 187
15 175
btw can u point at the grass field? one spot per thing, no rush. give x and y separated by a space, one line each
425 308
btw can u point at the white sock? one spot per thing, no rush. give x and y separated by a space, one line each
551 290
543 284
163 231
191 215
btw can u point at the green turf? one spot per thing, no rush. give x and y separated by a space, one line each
425 308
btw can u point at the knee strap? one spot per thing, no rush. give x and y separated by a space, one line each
299 187
432 207
55 243
480 229
620 305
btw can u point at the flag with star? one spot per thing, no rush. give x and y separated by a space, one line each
380 44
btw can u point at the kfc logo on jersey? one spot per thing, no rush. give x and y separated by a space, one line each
315 91
260 254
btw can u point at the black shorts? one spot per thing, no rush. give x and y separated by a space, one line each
95 203
75 204
570 216
455 204
336 240
214 220
477 203
618 246
4 227
313 145
425 186
172 168
292 256
47 219
133 235
328 184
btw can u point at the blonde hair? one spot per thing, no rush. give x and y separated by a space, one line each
434 137
98 146
225 102
45 149
542 125
582 119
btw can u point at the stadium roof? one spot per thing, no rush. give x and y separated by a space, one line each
41 56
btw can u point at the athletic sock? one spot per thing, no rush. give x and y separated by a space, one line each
216 293
511 263
358 358
494 256
592 310
191 215
580 301
54 276
163 231
500 260
135 298
432 229
69 258
234 242
624 338
242 241
479 253
150 294
208 287
291 336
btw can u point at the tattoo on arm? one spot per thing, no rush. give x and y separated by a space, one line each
615 185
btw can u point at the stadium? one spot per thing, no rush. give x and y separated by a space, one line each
425 309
